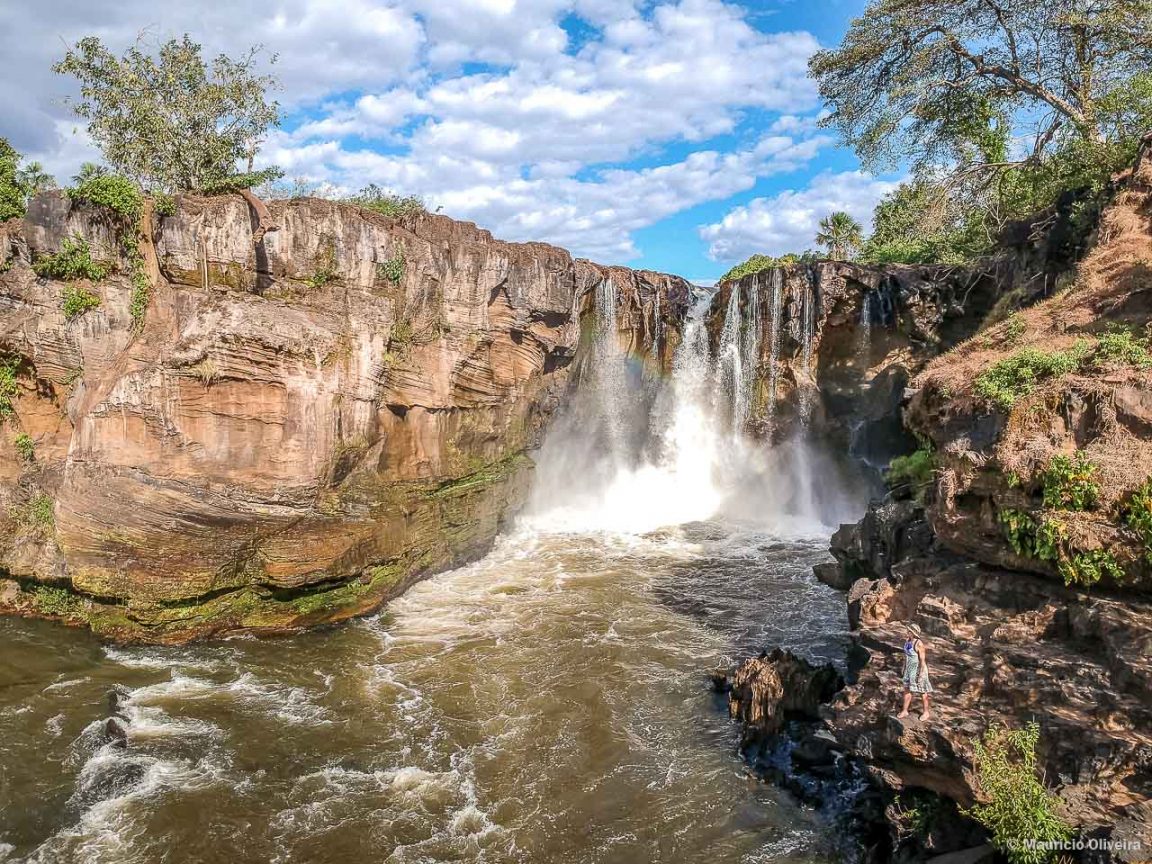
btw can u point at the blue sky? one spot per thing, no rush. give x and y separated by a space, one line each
678 135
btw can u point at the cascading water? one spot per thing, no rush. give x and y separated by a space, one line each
692 459
608 380
739 352
776 292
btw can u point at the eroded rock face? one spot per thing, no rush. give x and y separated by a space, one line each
1003 647
301 427
839 342
992 454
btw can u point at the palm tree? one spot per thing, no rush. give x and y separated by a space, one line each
840 234
33 179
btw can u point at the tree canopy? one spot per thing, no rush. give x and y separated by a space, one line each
19 182
840 234
173 121
983 82
999 107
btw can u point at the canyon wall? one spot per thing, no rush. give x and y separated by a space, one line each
1024 553
306 422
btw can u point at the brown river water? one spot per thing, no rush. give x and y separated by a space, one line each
547 704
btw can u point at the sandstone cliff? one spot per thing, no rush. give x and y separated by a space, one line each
302 426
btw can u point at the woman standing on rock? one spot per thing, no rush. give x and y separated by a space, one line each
915 672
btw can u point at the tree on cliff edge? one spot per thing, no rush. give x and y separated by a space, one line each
840 234
981 85
173 122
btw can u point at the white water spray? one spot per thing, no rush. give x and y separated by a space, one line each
690 460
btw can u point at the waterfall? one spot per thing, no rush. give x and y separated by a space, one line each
864 334
608 371
730 359
775 303
691 458
656 324
807 328
750 354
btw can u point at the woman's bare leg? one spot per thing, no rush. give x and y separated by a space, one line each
907 704
927 709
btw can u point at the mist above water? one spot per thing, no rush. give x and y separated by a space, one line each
635 451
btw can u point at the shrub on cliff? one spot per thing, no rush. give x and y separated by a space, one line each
1068 483
1017 375
758 263
104 189
173 121
18 184
1017 807
387 203
1136 513
913 471
73 261
9 388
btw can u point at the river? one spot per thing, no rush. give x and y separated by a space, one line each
549 703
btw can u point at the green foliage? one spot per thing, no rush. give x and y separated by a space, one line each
36 513
117 193
759 263
163 204
378 200
1017 375
18 183
393 268
1015 328
1136 513
11 195
1068 483
73 261
173 120
325 267
1047 540
77 301
1089 567
9 387
242 180
1121 348
923 222
25 447
1043 540
956 92
840 234
914 470
50 600
33 179
1018 807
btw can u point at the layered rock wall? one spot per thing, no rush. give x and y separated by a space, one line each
301 427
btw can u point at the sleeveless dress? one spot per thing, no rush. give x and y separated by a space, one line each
914 682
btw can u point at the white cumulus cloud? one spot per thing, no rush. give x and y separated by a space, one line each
788 222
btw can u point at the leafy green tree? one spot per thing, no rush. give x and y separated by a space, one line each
840 234
11 195
952 82
18 184
173 121
923 223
